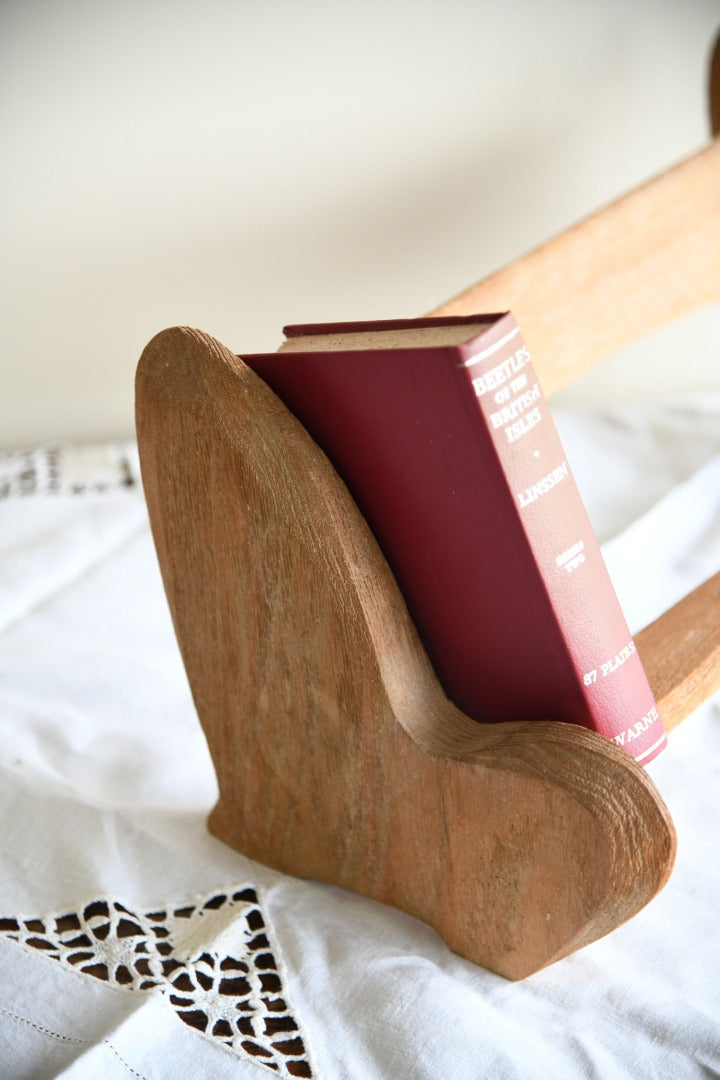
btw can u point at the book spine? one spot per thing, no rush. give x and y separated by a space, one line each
618 699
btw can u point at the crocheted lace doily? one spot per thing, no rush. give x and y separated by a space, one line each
104 468
212 959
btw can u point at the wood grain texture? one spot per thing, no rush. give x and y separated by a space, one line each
680 652
630 268
338 756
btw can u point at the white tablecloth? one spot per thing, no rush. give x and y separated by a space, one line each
133 944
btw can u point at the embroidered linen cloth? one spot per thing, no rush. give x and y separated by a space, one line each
134 944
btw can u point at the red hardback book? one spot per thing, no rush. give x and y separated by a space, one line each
442 434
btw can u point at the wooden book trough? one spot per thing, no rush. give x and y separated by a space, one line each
338 755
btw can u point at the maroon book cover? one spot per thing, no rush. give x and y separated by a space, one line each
453 457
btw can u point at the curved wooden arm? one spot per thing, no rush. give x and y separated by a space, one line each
680 652
641 262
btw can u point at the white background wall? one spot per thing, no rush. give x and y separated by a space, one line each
236 166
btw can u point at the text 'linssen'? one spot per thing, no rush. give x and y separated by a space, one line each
543 485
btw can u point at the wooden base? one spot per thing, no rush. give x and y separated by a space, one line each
337 753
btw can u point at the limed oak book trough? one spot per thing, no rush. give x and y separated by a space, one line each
338 755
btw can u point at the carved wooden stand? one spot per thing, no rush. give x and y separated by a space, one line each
337 753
